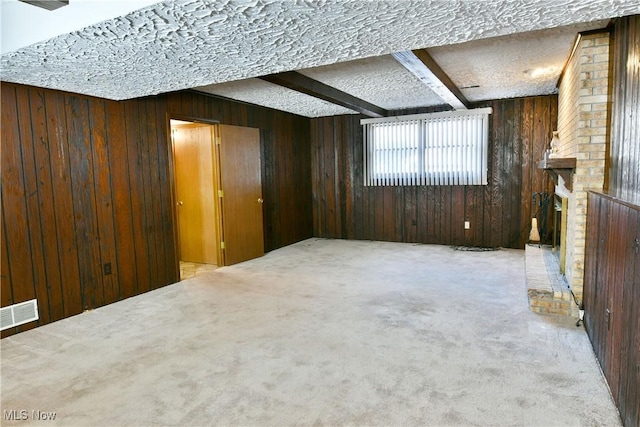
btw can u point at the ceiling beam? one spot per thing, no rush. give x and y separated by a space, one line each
47 4
425 68
301 83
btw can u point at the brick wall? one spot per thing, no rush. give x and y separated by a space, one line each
568 108
584 106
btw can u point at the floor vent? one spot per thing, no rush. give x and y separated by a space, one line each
18 314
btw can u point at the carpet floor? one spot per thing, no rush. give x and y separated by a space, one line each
322 332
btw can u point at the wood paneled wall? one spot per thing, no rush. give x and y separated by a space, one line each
612 260
624 174
612 297
86 182
500 213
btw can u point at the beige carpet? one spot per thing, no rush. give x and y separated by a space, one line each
323 332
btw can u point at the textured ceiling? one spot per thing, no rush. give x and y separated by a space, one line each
516 65
381 81
267 94
511 66
190 43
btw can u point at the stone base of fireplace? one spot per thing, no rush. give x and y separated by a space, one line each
546 288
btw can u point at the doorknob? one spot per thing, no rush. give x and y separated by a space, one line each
260 200
180 203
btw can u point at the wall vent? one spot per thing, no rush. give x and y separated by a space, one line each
18 314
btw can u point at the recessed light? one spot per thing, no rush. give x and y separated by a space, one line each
543 71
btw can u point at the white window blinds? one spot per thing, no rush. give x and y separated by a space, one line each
449 148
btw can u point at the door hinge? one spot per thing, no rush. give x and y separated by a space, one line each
217 138
220 193
636 246
221 245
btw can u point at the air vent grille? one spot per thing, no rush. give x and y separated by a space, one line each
18 314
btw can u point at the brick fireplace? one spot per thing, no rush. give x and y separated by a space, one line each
584 111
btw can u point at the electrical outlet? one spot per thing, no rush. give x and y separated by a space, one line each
107 269
467 225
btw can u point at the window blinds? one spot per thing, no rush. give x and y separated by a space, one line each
449 148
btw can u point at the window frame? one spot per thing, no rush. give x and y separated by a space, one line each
465 153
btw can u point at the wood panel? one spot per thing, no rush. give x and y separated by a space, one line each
618 214
86 186
33 204
148 150
628 392
612 264
134 158
500 213
84 204
62 209
125 273
103 200
45 196
624 174
590 290
612 297
14 206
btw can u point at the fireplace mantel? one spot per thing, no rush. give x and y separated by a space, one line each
559 166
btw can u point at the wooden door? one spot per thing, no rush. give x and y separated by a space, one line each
194 183
241 183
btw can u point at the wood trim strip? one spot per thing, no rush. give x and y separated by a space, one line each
433 66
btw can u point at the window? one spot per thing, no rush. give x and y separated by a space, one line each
449 148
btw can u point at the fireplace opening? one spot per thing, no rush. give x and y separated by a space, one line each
559 241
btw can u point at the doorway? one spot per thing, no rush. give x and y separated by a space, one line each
218 193
197 217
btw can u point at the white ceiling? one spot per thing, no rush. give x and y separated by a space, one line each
522 64
501 67
267 94
210 45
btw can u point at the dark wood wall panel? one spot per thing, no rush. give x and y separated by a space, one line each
124 271
612 260
103 199
70 204
32 204
55 141
84 208
87 182
500 213
14 205
612 297
624 174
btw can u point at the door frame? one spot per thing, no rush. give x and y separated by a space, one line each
216 184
